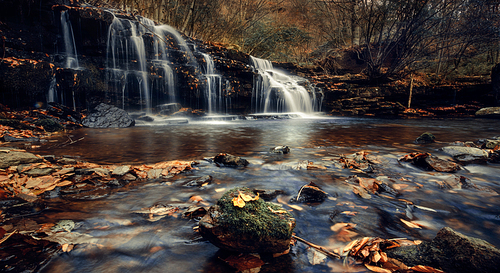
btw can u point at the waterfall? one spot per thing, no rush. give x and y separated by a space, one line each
53 94
277 92
69 42
215 95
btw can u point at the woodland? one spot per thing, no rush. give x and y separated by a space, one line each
391 38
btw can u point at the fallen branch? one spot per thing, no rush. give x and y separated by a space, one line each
71 141
317 247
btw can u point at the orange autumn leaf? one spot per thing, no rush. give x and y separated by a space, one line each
248 198
377 269
238 202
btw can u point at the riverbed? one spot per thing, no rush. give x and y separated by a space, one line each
126 241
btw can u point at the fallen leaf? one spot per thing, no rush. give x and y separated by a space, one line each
238 202
410 224
377 269
247 197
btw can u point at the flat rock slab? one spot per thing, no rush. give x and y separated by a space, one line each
11 157
489 112
466 155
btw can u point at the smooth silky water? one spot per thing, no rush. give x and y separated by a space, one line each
128 242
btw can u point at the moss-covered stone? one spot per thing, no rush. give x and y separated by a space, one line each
258 226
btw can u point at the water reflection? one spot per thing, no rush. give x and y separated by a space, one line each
128 242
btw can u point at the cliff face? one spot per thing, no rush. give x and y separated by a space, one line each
108 62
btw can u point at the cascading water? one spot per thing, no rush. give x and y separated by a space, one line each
276 92
69 42
214 92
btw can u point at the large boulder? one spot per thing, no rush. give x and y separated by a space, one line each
105 116
452 252
251 226
466 155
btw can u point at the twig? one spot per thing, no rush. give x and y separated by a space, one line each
317 247
71 141
7 236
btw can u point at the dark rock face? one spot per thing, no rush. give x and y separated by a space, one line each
310 193
280 150
106 116
452 252
230 160
430 162
257 227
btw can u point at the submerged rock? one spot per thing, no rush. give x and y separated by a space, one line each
428 161
252 226
452 252
230 160
199 182
310 193
425 138
105 116
280 150
467 155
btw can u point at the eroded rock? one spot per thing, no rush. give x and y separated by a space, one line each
11 157
106 116
425 138
230 160
466 155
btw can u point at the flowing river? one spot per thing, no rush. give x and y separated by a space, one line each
124 241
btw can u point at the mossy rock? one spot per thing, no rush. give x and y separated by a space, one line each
257 227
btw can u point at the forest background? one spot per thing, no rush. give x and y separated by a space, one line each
389 38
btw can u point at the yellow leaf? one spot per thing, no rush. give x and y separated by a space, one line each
410 224
423 268
248 198
238 202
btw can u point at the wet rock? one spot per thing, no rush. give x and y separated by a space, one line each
425 138
34 171
310 193
230 160
452 252
105 116
66 161
49 125
11 157
145 118
8 138
121 170
199 182
467 155
488 112
169 108
268 195
430 162
280 150
491 143
257 227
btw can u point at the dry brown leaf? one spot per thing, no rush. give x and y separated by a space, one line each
361 244
247 197
349 246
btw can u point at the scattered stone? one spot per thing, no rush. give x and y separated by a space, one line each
467 155
425 138
230 160
268 195
452 252
199 182
430 162
49 125
145 118
105 116
491 143
488 112
121 170
12 157
66 161
9 138
257 227
310 193
280 150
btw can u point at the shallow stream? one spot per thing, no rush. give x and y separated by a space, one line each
124 241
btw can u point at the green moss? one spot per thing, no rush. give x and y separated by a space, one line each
255 219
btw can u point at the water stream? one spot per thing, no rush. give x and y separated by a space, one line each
128 242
